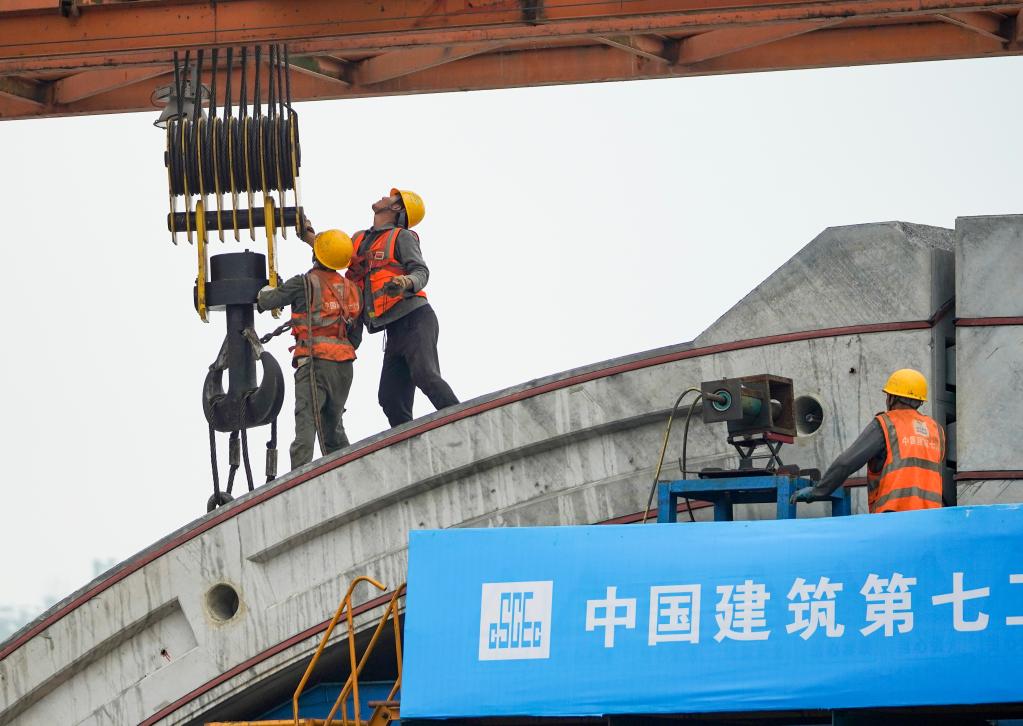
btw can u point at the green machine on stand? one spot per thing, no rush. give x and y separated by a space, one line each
759 412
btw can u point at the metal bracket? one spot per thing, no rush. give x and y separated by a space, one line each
257 347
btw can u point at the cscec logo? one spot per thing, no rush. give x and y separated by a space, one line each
515 620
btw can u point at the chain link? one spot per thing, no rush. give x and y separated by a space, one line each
277 331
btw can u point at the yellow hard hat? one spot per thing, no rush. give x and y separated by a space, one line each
907 383
333 248
414 206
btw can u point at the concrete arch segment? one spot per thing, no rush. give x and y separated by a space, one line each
853 275
575 448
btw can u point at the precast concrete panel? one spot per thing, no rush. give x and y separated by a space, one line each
989 395
989 266
989 356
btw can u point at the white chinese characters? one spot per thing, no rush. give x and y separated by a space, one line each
740 612
889 604
610 619
813 607
1015 579
956 598
674 614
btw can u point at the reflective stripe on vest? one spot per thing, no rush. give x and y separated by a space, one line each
913 480
379 264
333 302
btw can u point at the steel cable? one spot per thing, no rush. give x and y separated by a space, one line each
245 459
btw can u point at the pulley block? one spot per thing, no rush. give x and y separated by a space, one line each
232 134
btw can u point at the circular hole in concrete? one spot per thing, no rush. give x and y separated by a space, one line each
222 602
809 415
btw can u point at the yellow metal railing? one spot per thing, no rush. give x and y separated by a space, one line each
382 712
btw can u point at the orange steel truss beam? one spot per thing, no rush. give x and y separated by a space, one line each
109 55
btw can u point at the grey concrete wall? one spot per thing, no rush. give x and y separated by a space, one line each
578 454
989 360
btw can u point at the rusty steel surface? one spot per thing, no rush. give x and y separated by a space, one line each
109 56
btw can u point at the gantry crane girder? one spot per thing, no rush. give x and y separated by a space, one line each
69 57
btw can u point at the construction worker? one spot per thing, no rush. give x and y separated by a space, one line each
389 269
324 306
903 450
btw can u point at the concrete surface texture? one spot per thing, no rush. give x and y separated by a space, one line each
154 640
989 358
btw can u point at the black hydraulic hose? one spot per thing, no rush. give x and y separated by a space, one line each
664 448
685 444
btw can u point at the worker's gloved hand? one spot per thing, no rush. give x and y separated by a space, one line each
802 495
264 290
401 282
308 233
354 334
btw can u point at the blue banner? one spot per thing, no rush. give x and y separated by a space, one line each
915 608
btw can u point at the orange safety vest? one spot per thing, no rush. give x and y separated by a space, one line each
334 301
911 475
379 264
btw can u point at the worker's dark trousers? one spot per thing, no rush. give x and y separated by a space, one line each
333 381
411 362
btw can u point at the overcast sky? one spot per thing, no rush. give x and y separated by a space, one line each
564 226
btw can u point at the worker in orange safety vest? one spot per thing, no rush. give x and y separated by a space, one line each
389 269
903 450
324 306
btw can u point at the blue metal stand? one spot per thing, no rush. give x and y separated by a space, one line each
726 492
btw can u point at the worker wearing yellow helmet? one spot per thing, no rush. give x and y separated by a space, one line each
390 271
324 306
904 452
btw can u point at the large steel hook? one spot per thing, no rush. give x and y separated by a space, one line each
227 411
